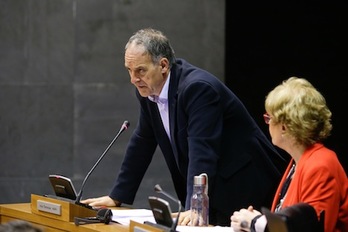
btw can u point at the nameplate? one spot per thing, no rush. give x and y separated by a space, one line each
49 207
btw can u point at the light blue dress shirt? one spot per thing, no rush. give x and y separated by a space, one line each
162 103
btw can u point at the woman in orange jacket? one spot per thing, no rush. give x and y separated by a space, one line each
299 120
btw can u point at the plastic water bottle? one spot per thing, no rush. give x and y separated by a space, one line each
200 201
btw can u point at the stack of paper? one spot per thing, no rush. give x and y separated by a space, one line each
141 215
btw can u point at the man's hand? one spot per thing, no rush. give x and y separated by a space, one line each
184 218
98 202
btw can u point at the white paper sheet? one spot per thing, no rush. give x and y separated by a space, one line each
141 215
204 229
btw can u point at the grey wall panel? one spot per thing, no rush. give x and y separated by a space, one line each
36 129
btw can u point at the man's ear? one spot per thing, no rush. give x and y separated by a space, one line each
164 65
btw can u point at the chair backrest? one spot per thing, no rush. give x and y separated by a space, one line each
296 218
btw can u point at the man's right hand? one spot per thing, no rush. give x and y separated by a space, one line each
99 202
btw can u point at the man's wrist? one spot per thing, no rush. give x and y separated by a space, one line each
117 203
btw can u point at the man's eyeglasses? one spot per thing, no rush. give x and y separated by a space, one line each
267 118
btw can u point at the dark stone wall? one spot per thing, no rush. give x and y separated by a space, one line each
65 92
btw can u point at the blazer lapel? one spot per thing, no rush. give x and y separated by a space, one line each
172 107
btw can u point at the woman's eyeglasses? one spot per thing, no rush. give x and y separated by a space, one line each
267 118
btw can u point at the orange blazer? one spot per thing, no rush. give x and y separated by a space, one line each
320 181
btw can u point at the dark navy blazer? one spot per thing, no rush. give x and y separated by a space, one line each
211 132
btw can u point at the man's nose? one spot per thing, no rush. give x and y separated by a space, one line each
134 78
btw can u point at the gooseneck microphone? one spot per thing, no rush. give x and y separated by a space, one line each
124 127
158 189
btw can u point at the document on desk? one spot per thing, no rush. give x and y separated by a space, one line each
204 229
141 215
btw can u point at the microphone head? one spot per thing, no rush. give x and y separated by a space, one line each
125 124
158 188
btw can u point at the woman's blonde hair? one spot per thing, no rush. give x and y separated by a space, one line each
298 105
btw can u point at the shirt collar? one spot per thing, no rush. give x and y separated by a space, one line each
163 97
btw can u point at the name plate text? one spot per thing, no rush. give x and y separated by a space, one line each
49 207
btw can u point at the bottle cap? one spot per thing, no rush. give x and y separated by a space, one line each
200 180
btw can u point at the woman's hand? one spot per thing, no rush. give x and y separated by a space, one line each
241 220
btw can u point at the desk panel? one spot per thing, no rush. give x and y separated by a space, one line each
22 211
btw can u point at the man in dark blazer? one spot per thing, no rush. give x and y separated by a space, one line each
200 126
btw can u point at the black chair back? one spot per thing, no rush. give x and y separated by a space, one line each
297 218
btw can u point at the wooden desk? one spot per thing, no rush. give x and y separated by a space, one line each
22 211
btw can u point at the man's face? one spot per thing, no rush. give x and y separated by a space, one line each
149 78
